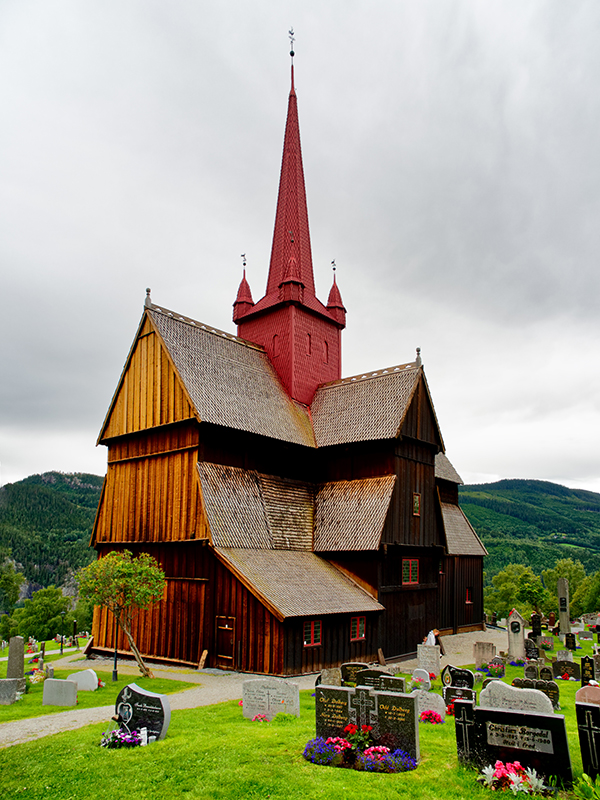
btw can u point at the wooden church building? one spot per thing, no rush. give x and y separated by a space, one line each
302 519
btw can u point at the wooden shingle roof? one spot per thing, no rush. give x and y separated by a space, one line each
294 583
231 382
349 515
461 539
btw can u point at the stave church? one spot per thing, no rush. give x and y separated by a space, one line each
302 519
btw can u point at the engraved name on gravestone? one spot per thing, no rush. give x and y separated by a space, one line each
536 625
588 727
516 635
539 741
428 658
349 670
332 710
587 670
270 696
570 641
483 652
392 683
370 677
563 605
16 662
452 693
501 695
570 668
8 691
137 708
546 674
453 676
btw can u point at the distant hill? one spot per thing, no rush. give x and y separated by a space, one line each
46 520
534 523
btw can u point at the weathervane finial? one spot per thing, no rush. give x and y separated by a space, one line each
292 40
333 267
243 257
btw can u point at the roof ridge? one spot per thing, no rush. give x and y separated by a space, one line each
379 373
204 327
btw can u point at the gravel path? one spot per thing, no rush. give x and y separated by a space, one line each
211 686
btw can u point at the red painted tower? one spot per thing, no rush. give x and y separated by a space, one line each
302 337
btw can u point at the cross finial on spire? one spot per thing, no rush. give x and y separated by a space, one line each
243 257
292 40
333 267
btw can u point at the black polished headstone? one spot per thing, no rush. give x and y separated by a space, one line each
570 641
531 648
546 674
349 670
570 668
536 624
531 671
391 683
137 708
369 677
588 725
539 741
452 693
587 670
550 689
462 678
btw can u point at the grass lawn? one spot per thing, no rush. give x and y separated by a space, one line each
213 752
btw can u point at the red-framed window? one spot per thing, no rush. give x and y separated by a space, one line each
312 633
416 504
469 595
357 629
410 570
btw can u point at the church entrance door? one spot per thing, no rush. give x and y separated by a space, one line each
225 642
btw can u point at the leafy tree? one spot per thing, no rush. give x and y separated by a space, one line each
124 585
8 627
41 617
10 582
532 592
504 594
573 571
579 601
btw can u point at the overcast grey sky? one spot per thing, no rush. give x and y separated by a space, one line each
452 168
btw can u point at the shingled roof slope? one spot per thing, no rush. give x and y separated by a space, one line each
248 510
365 407
444 469
230 381
349 515
461 539
298 584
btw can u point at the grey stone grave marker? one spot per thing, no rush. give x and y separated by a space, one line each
137 708
59 693
422 677
563 605
392 683
564 655
86 680
483 652
330 677
585 635
429 701
270 696
570 668
539 741
8 691
546 674
588 727
16 662
501 695
428 658
588 694
349 670
531 671
49 670
516 635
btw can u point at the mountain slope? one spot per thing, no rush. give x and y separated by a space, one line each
46 520
534 523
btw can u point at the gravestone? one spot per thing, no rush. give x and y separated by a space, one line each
137 708
570 668
546 674
531 649
393 717
501 695
270 696
585 635
531 671
349 670
483 652
550 689
331 677
563 605
570 641
587 670
588 727
59 693
538 741
463 678
16 662
516 635
392 683
49 670
422 677
86 680
428 658
499 666
369 677
596 658
588 694
452 693
564 655
536 625
527 683
8 691
546 642
429 701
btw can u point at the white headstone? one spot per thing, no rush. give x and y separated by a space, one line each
516 635
86 680
428 658
483 652
564 655
429 701
422 676
270 696
498 694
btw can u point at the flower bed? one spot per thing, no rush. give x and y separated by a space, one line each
513 777
116 739
338 752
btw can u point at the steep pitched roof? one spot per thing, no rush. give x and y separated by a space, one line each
296 583
461 539
364 407
349 515
230 382
444 469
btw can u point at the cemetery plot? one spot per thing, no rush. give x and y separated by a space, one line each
452 693
428 658
588 727
452 676
500 695
570 668
270 696
587 670
350 669
539 741
137 708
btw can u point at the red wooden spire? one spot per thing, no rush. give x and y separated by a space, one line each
300 334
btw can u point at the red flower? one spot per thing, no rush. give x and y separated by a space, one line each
350 729
432 676
366 728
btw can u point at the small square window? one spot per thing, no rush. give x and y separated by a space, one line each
416 504
410 570
357 629
312 633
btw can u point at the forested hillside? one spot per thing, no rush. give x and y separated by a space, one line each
46 521
534 523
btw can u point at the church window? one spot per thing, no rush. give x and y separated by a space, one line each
325 352
312 633
410 570
275 345
308 344
357 629
416 504
469 598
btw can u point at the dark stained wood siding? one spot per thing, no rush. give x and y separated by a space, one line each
460 573
419 422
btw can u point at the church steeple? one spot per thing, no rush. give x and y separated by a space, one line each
301 336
